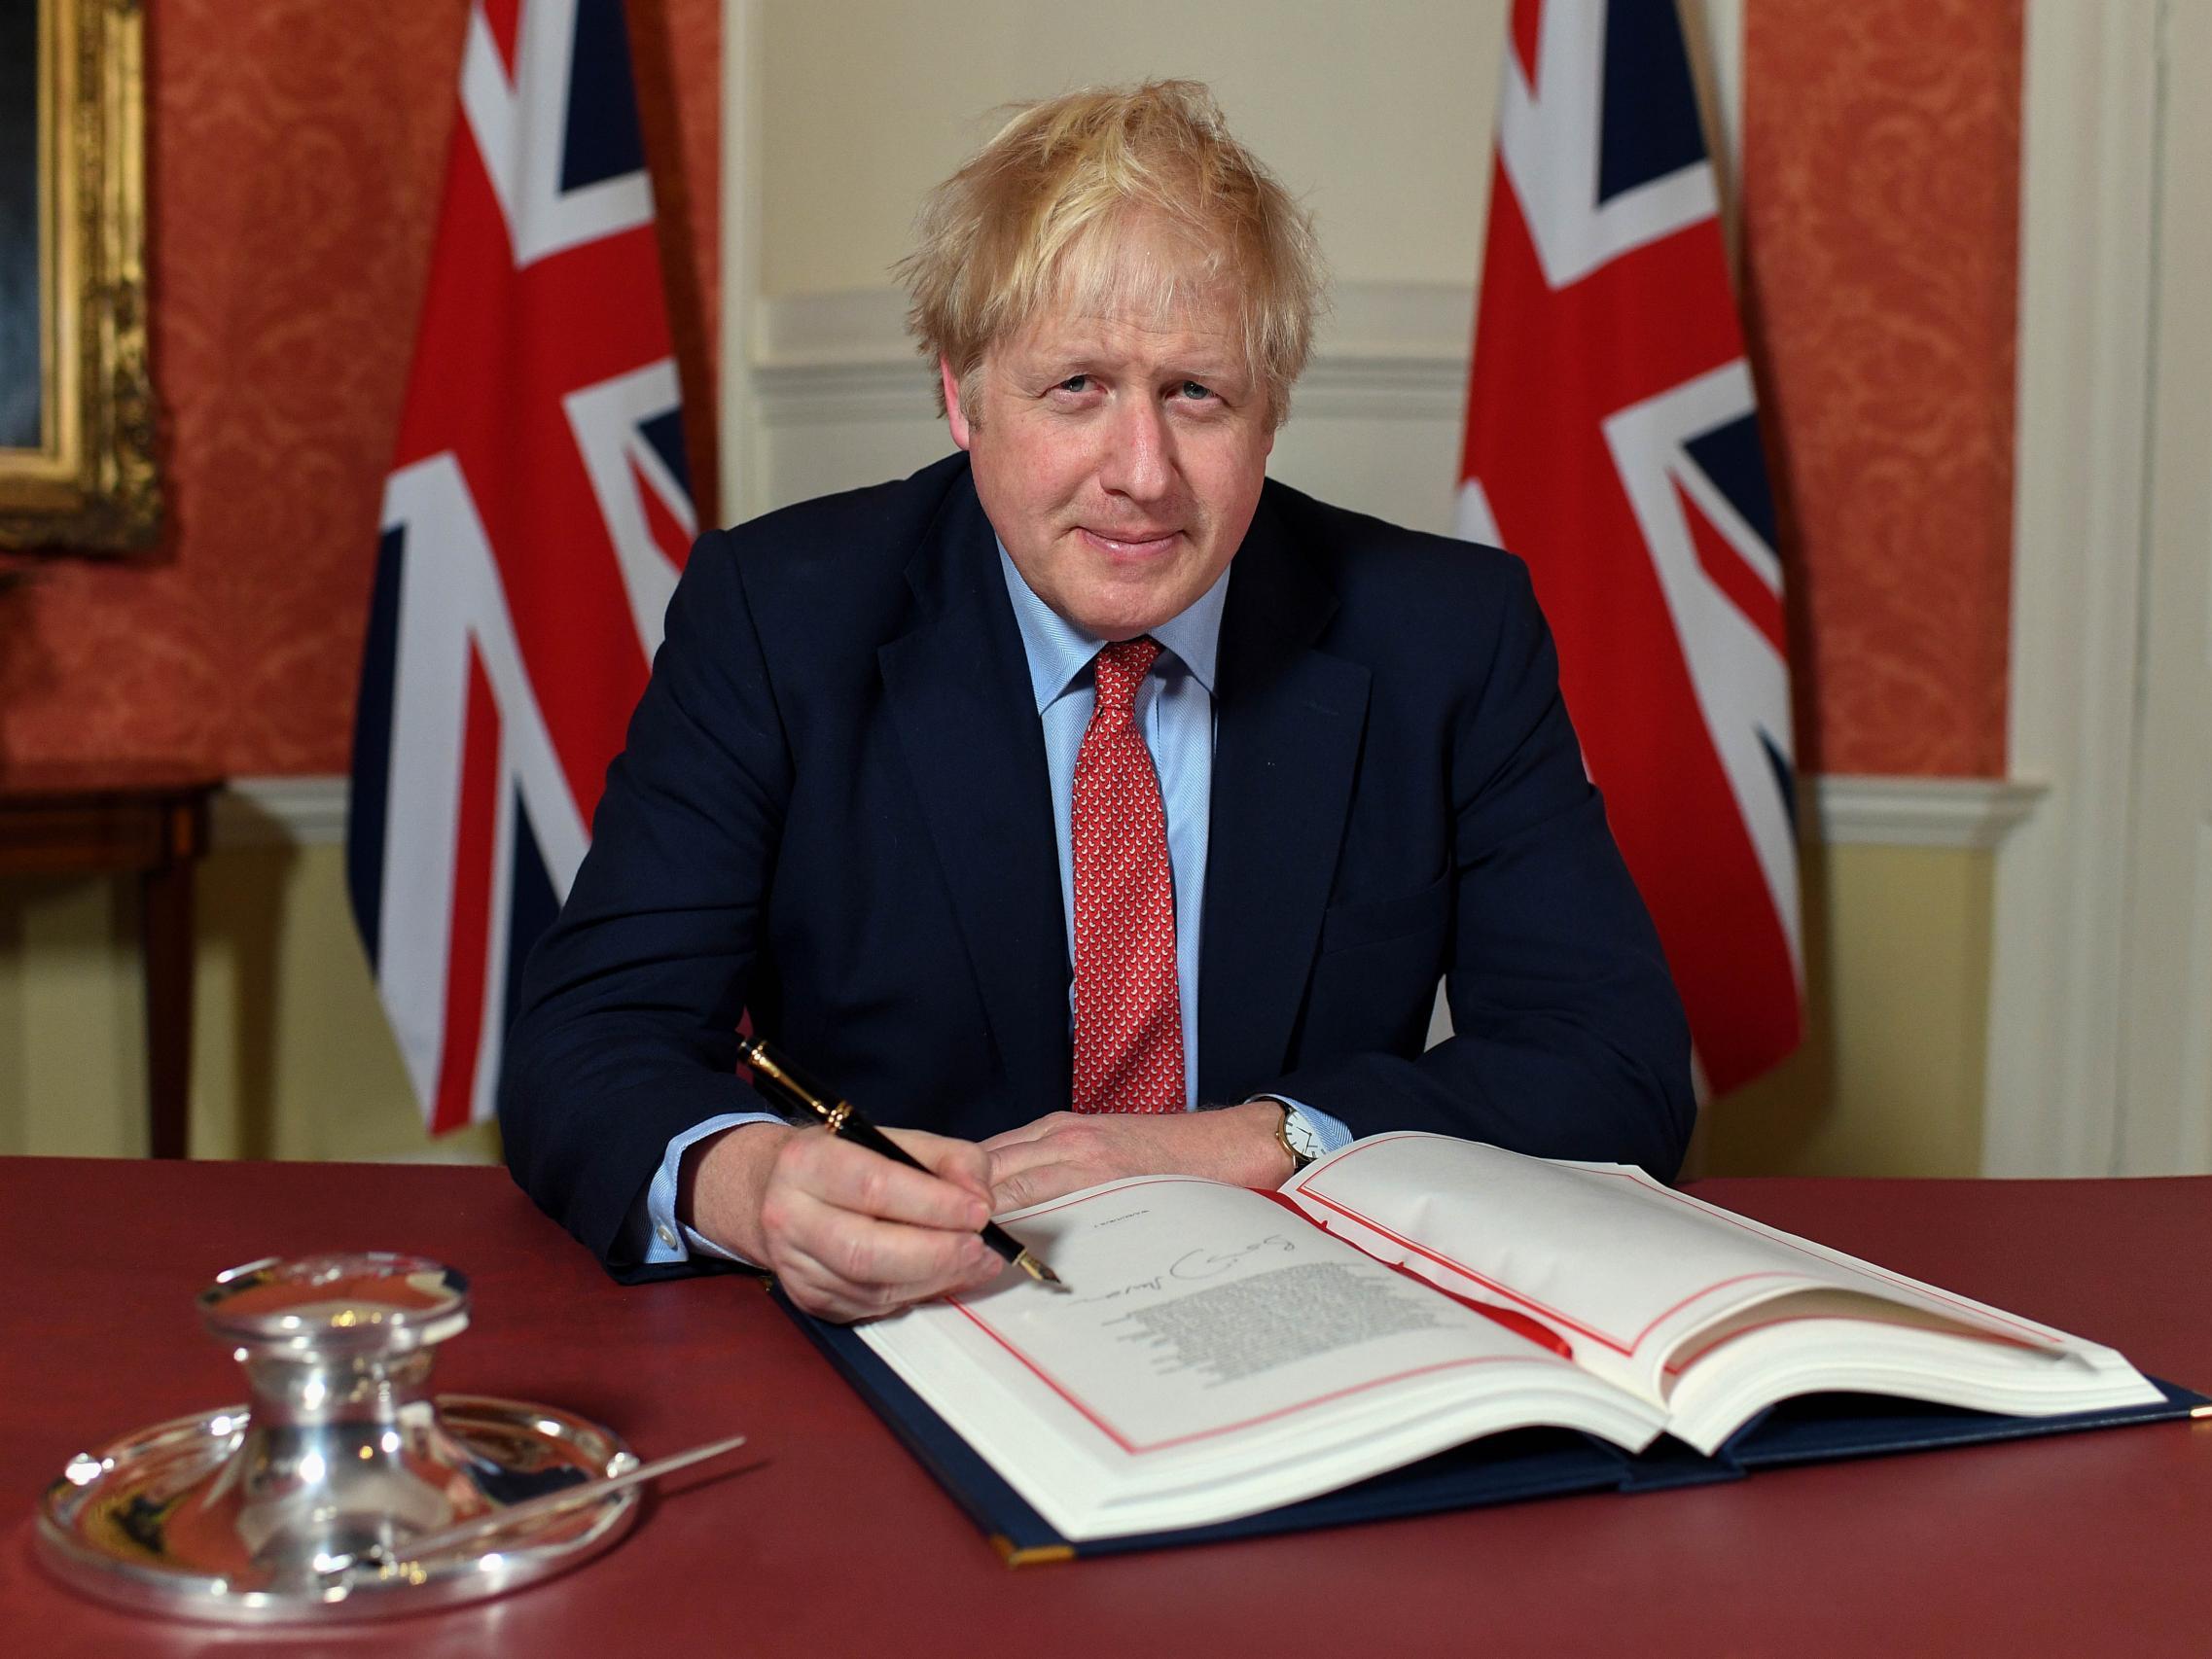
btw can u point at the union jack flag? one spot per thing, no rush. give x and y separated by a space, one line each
1613 442
535 521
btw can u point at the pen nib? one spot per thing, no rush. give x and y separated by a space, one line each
1038 1271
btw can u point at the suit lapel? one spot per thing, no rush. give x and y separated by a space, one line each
960 699
1286 748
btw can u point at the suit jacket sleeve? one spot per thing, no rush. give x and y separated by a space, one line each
628 1022
1570 1039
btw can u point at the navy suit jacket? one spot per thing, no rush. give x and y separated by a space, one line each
832 811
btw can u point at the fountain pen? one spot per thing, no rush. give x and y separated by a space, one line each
845 1119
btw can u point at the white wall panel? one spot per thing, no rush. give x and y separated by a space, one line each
842 115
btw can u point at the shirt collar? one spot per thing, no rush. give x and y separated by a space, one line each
1059 650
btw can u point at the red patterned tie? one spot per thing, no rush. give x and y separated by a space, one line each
1128 1014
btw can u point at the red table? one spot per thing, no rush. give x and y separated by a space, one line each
838 1544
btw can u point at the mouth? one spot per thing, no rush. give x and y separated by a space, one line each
1142 544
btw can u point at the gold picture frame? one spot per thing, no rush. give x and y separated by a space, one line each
77 471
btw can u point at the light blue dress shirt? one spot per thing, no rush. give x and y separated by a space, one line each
1175 712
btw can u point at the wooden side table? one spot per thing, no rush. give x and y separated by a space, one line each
123 818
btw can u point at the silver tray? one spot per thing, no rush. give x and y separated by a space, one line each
147 1522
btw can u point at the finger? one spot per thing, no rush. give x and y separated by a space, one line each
961 1162
845 1176
1031 1131
863 1267
825 1297
828 1297
1021 1155
1080 1143
831 1298
1037 1182
821 1292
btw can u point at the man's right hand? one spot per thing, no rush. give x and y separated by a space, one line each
848 1233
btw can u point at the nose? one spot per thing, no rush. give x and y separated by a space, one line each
1140 459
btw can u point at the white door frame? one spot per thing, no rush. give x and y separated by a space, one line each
2088 148
737 431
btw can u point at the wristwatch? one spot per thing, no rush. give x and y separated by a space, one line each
1298 1137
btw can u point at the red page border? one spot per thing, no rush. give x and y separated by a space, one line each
1627 1346
1138 1449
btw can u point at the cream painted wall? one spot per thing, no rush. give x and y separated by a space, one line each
1890 1079
1388 145
291 1055
72 1022
841 116
869 102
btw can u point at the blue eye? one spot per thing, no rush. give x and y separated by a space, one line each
1192 390
1076 383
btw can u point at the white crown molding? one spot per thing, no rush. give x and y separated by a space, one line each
2087 169
1850 811
1388 351
1956 813
308 811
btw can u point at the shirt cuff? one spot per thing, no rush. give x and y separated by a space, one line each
1332 1132
667 1239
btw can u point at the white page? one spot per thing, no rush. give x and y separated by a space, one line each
1211 1337
1625 1269
1828 1341
1194 1308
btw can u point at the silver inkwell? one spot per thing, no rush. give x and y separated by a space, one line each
345 1488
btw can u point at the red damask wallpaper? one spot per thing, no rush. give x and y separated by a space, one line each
295 154
1880 227
296 150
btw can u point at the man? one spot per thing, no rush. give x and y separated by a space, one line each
1085 769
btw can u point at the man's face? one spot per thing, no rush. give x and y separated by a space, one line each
1118 457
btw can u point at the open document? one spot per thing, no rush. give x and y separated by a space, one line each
1224 1352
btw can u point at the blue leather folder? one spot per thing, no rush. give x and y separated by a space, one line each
1498 1469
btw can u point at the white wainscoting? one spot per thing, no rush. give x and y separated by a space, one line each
307 811
1959 813
839 399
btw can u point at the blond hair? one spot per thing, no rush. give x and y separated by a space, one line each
1050 211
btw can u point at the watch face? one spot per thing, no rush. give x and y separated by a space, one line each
1302 1139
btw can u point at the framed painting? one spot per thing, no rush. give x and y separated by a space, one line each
76 399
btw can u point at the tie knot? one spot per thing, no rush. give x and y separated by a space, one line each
1121 665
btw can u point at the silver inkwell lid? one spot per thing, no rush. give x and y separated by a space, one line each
305 1503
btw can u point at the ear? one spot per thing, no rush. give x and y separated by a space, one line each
956 417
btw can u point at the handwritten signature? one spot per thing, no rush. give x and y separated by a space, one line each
1196 1265
1211 1263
